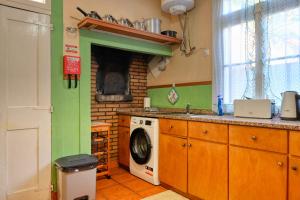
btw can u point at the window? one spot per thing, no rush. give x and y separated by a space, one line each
260 48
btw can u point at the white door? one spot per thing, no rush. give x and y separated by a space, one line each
25 117
40 6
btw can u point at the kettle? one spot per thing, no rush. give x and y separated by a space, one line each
290 105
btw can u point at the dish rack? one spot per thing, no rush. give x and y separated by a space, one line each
100 139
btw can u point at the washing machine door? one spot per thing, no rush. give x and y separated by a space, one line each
140 146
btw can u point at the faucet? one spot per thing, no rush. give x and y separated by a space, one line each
187 108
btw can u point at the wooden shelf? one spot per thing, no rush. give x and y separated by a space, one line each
91 23
101 132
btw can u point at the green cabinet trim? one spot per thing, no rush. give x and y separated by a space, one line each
124 43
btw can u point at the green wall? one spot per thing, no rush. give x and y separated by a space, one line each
70 122
199 96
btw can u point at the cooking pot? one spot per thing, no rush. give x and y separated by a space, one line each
92 14
110 18
169 33
140 25
125 22
153 25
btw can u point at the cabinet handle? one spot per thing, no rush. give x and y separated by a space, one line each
280 164
171 126
253 137
190 145
205 132
184 145
294 168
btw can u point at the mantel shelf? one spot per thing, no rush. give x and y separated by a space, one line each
91 23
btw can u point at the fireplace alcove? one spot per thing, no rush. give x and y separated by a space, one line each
112 79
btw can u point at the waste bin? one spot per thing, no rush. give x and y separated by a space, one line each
76 177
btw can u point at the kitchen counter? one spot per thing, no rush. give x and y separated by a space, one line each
276 122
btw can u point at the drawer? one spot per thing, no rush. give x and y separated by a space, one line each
295 143
259 138
124 120
208 131
173 127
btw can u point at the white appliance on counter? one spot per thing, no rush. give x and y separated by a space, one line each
290 105
143 146
254 108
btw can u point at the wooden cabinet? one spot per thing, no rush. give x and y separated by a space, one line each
173 161
208 131
124 154
207 170
173 127
257 175
295 143
123 140
259 138
124 120
294 179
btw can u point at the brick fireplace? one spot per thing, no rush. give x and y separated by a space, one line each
137 87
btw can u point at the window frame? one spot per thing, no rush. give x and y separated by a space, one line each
233 19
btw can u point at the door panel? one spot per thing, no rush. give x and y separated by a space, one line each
257 174
124 136
294 179
21 165
25 118
208 170
173 161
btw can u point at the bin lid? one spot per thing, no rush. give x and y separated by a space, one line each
76 163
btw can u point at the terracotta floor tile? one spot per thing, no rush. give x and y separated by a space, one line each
151 191
124 186
100 196
115 171
104 183
118 192
125 177
138 185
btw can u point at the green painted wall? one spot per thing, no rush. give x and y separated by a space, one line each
70 122
200 97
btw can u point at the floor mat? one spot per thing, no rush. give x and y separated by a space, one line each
167 195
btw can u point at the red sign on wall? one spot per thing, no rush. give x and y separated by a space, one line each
71 64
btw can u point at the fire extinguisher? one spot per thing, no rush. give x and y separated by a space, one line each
72 67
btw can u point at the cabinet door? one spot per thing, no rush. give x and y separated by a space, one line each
257 175
208 170
124 137
173 161
294 179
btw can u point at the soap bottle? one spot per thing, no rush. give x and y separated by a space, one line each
220 105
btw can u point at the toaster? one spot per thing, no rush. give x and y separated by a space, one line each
254 108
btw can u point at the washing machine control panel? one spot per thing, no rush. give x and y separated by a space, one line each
146 122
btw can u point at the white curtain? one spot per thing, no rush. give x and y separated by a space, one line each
256 45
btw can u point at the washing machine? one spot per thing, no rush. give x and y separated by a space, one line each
144 143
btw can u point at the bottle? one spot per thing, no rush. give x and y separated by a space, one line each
220 105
